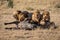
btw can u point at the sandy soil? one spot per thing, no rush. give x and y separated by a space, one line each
37 34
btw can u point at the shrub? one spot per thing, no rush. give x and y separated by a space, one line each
57 5
10 3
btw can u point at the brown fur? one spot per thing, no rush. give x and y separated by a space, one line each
45 17
42 22
36 16
19 16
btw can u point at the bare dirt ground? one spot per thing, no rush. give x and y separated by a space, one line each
6 15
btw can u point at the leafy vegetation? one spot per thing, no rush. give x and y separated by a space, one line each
10 3
57 5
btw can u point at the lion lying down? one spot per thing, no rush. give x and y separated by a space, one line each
35 17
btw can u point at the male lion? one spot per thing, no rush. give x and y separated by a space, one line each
36 16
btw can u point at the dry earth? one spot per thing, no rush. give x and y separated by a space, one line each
37 34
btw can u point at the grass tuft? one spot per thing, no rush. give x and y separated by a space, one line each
29 8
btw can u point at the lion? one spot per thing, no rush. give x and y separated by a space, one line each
45 18
36 16
19 16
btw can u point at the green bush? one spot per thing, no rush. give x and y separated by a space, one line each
57 5
10 3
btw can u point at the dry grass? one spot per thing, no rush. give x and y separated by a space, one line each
37 34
